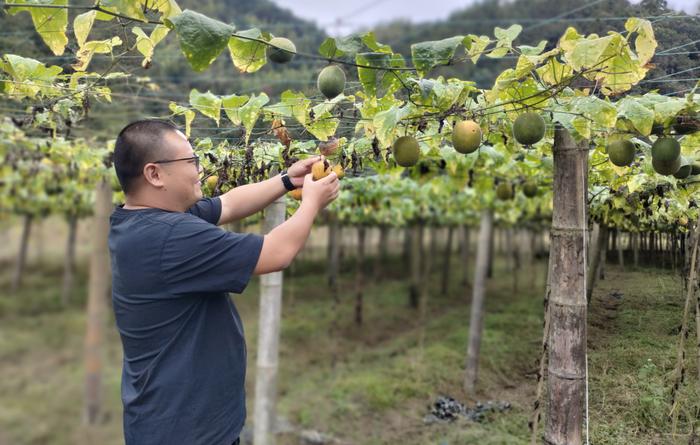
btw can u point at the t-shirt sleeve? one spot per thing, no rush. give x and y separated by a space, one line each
200 257
208 209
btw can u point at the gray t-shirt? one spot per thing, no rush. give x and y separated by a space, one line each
184 349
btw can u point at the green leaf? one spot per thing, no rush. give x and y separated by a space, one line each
328 105
29 77
523 92
505 37
329 49
250 112
85 53
323 125
50 23
179 110
667 109
582 126
602 112
372 78
333 48
497 53
209 104
386 124
427 55
82 24
641 117
232 104
248 55
292 104
202 39
370 41
532 50
440 94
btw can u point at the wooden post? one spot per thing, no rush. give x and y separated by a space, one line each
446 269
464 254
380 259
415 261
567 304
99 283
69 263
22 257
268 338
476 320
359 273
595 257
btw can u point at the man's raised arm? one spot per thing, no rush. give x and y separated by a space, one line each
248 199
282 243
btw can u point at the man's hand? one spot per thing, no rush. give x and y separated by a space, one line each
321 192
299 169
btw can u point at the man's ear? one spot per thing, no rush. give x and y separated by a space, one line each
153 175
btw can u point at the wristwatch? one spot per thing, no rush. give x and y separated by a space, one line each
286 181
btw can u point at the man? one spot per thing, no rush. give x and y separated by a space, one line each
184 351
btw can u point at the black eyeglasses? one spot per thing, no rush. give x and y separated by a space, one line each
194 158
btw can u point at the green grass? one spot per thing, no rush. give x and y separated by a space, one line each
378 387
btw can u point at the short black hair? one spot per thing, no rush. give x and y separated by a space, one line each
139 143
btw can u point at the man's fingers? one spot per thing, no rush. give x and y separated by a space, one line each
330 178
308 162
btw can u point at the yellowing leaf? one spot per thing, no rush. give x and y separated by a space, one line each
50 23
82 26
146 44
167 8
554 72
498 52
645 44
475 45
567 42
85 53
180 110
129 8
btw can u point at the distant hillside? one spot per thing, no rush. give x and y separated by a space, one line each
672 31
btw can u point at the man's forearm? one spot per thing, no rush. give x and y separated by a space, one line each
248 199
293 233
284 242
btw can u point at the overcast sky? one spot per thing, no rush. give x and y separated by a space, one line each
344 17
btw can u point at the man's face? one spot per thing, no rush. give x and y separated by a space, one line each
181 178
